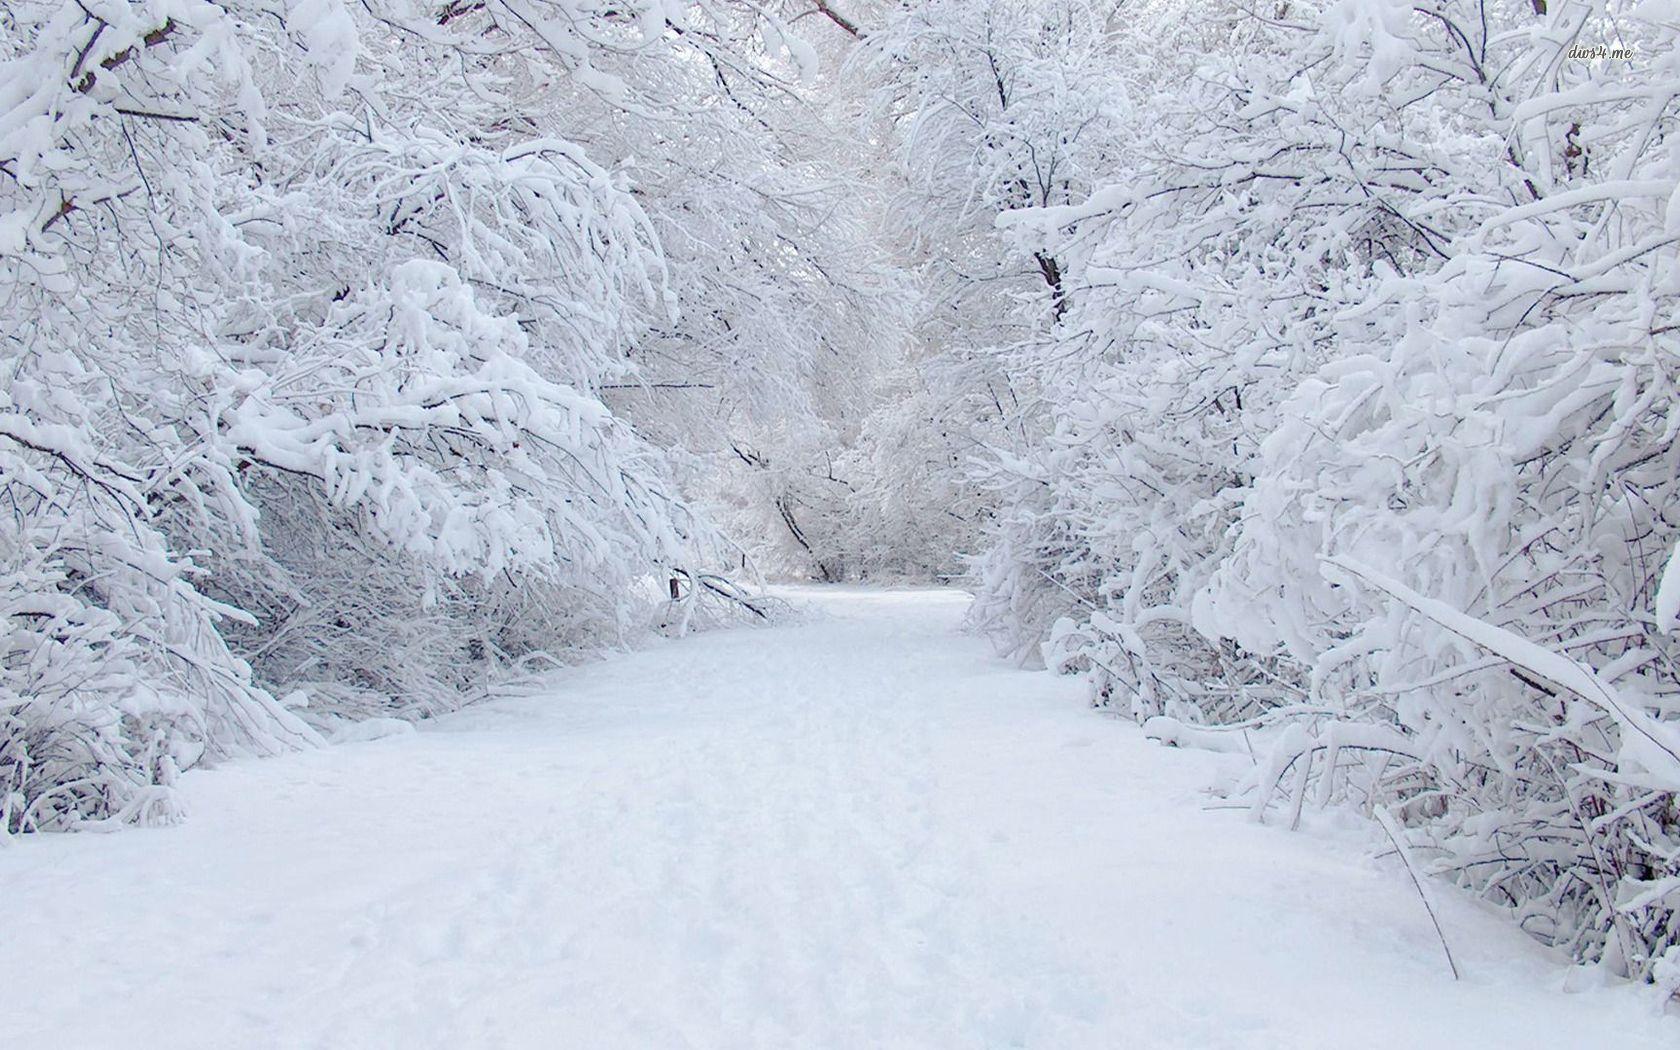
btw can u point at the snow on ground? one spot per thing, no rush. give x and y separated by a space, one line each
860 831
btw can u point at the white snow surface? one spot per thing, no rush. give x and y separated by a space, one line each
857 831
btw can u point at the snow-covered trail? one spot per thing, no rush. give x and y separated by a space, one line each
861 831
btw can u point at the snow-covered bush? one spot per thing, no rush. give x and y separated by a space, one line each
308 313
1473 501
1356 422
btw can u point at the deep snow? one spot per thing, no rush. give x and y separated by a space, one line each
859 831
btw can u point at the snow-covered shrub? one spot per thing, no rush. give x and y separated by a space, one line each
1357 423
1458 523
1196 289
308 310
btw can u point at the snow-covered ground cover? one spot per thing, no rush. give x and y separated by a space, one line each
853 831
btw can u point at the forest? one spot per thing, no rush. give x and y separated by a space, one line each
1300 377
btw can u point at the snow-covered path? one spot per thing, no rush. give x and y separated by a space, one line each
856 832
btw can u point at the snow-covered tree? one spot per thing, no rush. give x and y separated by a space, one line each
1311 377
310 308
1357 423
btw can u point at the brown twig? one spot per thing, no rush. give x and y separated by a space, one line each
838 19
152 39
